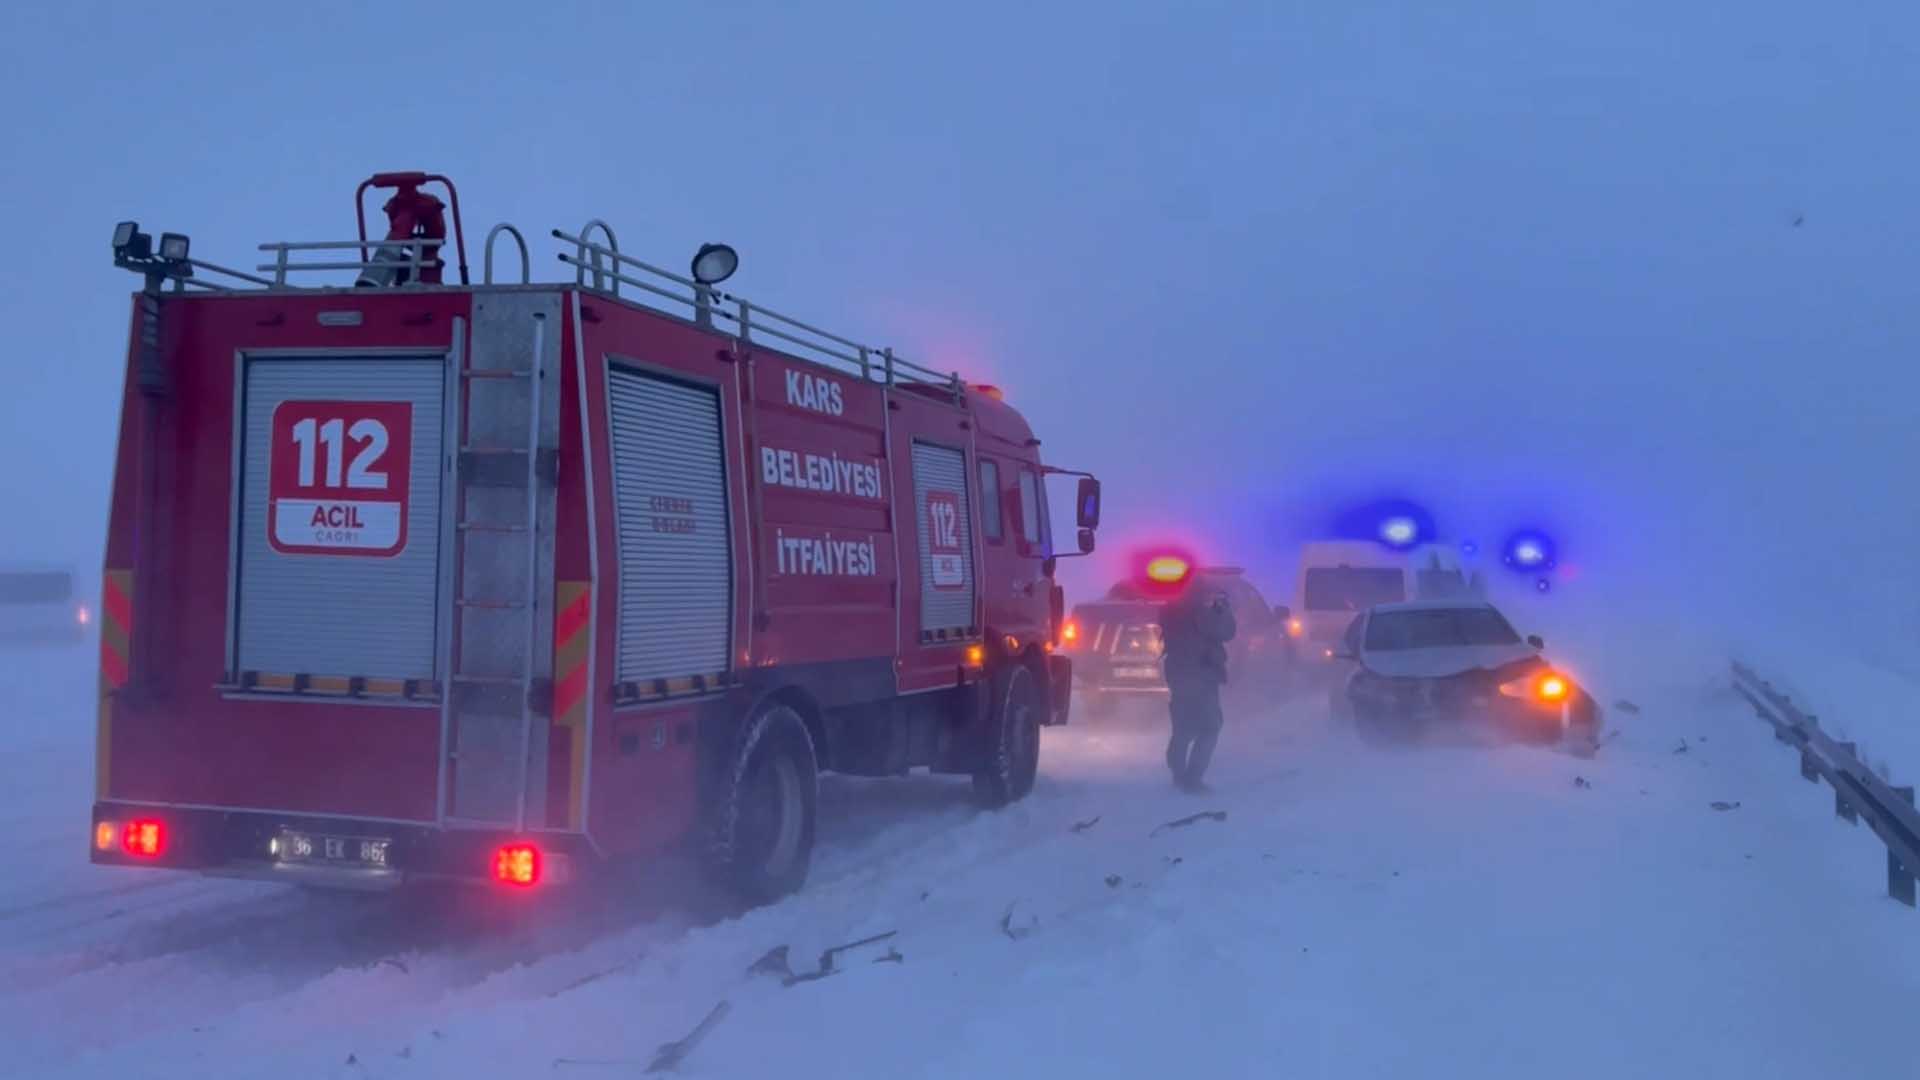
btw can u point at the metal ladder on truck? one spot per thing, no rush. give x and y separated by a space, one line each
498 650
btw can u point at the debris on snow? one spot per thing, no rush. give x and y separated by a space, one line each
670 1055
1682 748
1582 782
1083 826
1016 923
776 961
773 963
623 966
893 956
1181 823
1175 860
1627 707
1725 805
1113 881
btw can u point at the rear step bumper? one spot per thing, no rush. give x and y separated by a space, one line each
369 855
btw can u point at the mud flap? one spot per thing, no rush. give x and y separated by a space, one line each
1059 689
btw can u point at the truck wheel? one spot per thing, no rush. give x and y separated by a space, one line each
763 820
1013 757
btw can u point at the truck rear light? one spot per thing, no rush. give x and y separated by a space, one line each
143 839
1070 634
1295 628
104 834
517 865
976 655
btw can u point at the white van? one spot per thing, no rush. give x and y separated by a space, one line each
1338 579
40 605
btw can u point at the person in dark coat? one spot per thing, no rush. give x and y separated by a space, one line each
1194 631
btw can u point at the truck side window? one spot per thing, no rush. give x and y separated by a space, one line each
990 522
1029 508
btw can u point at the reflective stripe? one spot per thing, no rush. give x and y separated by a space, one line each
573 604
116 645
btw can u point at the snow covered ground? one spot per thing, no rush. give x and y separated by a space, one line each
1474 912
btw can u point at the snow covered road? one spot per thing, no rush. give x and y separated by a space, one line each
1453 911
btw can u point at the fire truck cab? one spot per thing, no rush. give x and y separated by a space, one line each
416 578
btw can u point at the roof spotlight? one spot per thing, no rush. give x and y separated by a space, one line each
714 263
129 242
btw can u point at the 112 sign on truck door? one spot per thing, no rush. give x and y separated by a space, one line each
338 477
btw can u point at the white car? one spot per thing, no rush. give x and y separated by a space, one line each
1432 665
39 605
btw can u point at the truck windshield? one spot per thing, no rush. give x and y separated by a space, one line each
1349 588
1438 628
36 588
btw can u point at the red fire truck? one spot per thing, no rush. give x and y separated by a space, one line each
410 578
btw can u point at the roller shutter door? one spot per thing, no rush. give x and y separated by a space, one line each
670 485
354 609
943 521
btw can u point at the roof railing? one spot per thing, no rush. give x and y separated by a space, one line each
603 268
413 253
526 264
597 265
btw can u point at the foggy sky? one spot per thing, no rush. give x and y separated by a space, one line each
1247 261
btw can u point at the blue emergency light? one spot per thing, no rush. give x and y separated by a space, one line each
1529 551
1395 523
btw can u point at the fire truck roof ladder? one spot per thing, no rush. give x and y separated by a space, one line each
496 698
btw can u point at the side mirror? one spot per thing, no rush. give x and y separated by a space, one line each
1535 641
1086 541
1087 505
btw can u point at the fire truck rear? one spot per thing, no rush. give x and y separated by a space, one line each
410 578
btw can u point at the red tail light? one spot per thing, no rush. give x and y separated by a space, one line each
145 839
517 865
1070 634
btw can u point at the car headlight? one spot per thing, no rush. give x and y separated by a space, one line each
1544 687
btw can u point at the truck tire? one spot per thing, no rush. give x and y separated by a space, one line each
764 811
1013 754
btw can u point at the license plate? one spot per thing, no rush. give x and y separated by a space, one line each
291 846
1137 672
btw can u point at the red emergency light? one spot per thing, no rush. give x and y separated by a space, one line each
1162 572
517 865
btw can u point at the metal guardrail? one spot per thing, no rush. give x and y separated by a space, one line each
1858 792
